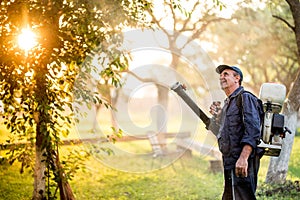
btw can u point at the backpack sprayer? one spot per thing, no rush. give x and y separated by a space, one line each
272 128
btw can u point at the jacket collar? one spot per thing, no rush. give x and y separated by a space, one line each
236 92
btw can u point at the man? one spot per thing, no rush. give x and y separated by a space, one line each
239 133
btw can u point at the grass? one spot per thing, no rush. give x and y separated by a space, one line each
14 185
188 182
124 177
192 180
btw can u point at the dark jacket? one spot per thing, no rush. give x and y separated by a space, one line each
237 129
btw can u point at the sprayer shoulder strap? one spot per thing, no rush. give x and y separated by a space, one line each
239 100
240 105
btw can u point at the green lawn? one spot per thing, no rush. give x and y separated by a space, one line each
188 178
192 180
113 178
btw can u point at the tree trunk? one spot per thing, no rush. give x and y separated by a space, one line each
278 166
295 10
39 176
161 113
65 189
39 168
114 101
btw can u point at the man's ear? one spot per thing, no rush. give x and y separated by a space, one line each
237 78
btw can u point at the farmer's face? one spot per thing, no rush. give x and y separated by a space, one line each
229 79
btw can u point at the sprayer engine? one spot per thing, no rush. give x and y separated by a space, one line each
273 129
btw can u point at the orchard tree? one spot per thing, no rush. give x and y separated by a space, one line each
278 167
175 19
262 47
43 45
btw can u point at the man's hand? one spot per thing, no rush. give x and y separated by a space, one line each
241 166
215 110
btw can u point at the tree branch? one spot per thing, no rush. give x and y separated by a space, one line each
284 21
140 78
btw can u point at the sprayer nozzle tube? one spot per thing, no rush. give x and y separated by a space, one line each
180 90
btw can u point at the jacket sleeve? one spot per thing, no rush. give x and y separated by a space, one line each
214 126
251 119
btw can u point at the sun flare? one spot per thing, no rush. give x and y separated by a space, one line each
27 39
